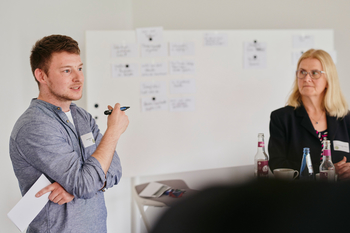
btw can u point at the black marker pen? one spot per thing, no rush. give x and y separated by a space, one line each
108 112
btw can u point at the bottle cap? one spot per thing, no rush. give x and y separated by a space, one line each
327 152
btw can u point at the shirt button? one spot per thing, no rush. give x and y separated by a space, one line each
103 190
67 121
58 108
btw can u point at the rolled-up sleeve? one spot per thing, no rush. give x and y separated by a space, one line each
48 150
114 172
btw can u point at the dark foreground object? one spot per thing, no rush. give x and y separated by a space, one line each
262 206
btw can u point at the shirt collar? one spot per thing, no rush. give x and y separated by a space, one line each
36 102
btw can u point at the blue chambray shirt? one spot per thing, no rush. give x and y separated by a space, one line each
43 141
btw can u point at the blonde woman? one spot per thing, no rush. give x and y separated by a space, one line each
316 110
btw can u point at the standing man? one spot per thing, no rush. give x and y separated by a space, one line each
56 138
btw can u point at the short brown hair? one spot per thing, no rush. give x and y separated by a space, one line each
43 49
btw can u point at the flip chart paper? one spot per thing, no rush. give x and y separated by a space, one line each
295 57
149 35
254 55
182 49
156 103
24 212
178 86
153 88
182 104
215 39
154 69
303 41
124 70
125 50
182 67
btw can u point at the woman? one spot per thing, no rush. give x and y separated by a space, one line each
316 109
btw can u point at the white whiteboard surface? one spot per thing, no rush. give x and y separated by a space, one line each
232 104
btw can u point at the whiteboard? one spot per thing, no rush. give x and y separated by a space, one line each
231 104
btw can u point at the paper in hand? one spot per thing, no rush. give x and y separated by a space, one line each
24 212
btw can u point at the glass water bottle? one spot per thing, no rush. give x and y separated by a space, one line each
306 169
327 169
261 160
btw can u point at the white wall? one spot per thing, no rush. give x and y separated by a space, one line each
23 22
253 14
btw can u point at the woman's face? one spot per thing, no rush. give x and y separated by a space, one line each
309 87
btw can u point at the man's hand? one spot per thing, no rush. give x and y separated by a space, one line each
116 125
118 120
342 168
58 194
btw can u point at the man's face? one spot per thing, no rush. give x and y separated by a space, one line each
65 77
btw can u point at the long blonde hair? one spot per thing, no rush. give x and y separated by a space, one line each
334 101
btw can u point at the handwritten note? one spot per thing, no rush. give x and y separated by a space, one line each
295 57
254 55
153 88
178 86
154 50
149 35
215 39
182 49
182 67
154 69
182 104
124 70
124 50
303 41
156 103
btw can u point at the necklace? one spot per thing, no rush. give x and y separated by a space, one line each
318 119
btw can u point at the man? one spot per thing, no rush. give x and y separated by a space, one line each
56 138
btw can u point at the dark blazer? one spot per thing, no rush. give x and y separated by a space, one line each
291 130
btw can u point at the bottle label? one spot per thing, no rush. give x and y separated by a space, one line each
323 175
263 168
309 164
327 152
261 144
327 175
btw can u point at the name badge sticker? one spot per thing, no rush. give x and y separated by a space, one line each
88 139
341 146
